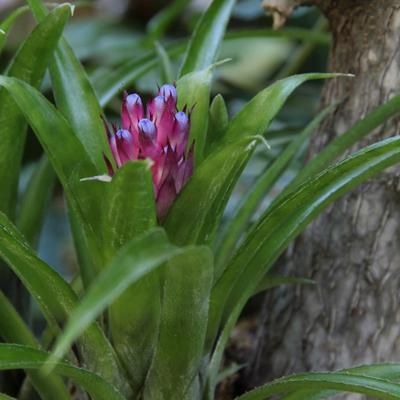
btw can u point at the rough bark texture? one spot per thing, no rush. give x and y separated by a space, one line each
352 251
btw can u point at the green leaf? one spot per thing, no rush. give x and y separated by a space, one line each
129 210
344 142
256 116
13 329
74 93
377 388
218 120
35 201
209 32
14 356
283 222
248 205
186 291
7 24
205 196
383 371
138 258
194 93
55 298
29 64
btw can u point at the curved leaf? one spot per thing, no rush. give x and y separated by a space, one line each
8 23
255 117
377 388
14 356
206 38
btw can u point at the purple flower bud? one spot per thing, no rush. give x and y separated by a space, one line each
162 137
132 111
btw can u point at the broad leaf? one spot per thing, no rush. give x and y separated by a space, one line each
186 290
14 356
206 38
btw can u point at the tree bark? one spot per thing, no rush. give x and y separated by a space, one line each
352 251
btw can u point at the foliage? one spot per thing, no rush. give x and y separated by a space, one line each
157 304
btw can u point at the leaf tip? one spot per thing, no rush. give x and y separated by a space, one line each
2 32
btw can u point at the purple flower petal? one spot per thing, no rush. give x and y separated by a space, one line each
132 111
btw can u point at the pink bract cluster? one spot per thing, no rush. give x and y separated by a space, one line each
159 133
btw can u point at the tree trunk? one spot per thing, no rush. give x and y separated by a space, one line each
352 251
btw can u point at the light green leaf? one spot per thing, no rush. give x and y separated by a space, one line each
194 93
138 258
29 64
236 225
14 330
186 290
206 194
209 32
378 388
14 356
55 298
255 117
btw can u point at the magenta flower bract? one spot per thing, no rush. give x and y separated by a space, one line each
159 133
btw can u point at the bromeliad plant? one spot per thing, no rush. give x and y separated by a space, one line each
163 283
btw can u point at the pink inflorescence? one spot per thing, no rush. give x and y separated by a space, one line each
160 134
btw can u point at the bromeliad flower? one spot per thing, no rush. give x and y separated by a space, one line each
160 134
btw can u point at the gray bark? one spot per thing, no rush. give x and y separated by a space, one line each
352 315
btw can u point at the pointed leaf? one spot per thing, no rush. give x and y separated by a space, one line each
218 120
8 23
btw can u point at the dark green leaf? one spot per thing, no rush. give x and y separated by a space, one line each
7 24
